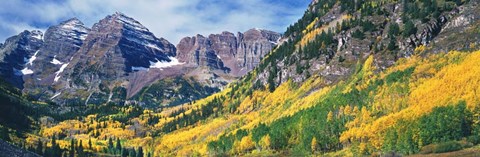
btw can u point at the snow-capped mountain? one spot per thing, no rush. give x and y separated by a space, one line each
118 57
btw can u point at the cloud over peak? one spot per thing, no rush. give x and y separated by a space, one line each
169 19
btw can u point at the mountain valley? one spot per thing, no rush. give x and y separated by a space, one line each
349 78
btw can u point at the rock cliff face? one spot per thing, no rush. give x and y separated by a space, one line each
17 56
60 43
120 45
116 47
198 51
234 55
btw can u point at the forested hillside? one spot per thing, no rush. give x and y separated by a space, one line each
350 78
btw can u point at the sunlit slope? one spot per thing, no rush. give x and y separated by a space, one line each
355 114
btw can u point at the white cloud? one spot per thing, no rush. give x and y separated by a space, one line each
171 19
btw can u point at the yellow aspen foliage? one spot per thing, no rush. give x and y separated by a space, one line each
311 34
363 148
368 73
314 145
329 116
347 111
368 66
236 147
472 45
420 49
265 142
355 110
340 111
453 79
247 144
310 26
365 115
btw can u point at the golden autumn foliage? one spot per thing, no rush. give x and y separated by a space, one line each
265 142
314 144
437 80
311 32
246 144
330 116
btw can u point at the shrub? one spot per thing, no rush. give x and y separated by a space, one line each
358 34
447 147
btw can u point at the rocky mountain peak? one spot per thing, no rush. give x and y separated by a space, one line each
17 56
73 28
257 33
128 21
37 34
116 47
137 45
118 51
72 24
234 55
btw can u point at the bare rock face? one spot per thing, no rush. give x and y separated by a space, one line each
234 55
61 42
17 56
253 45
118 44
198 51
116 47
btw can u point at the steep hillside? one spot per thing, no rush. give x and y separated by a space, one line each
343 87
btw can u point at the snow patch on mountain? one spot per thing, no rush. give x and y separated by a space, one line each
57 74
160 64
74 29
55 61
75 25
24 71
33 58
38 36
154 46
54 96
27 71
139 68
130 22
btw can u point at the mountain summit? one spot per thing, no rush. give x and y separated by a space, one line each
118 57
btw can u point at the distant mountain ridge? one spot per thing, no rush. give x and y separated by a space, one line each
117 57
235 54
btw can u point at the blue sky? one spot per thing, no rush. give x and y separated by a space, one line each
170 19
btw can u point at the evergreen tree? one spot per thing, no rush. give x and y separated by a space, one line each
124 152
358 34
133 153
409 29
393 30
4 134
72 148
39 149
55 149
90 144
140 152
118 146
80 149
110 146
391 45
110 143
